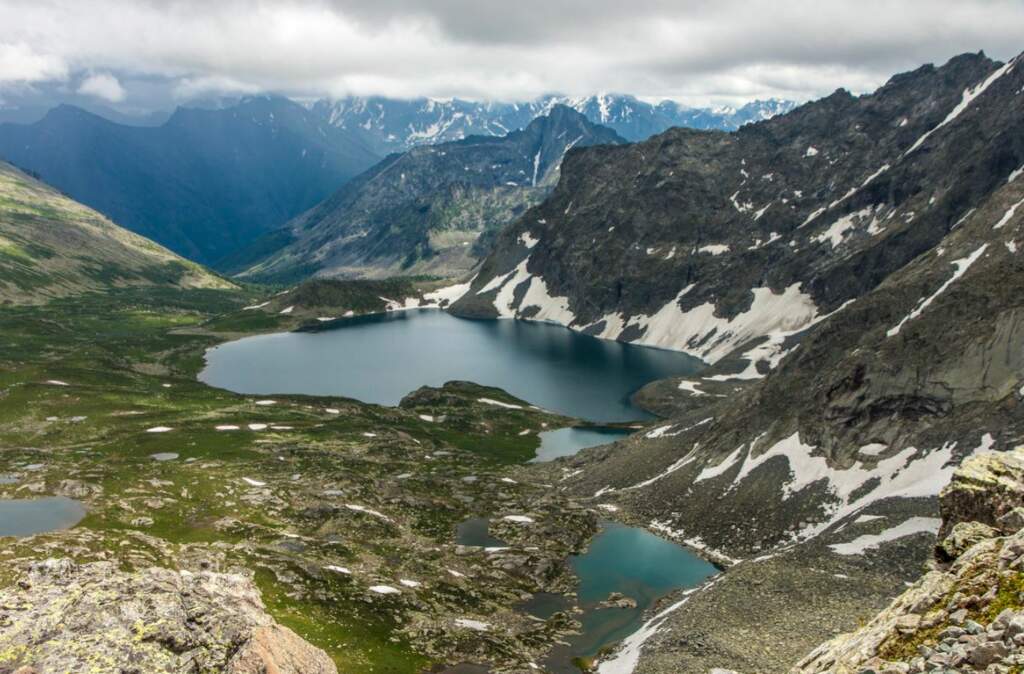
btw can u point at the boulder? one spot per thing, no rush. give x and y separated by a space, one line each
961 538
985 488
66 617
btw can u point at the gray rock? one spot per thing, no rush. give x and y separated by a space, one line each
988 653
64 617
962 537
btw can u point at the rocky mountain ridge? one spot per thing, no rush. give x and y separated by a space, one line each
431 210
851 273
398 125
705 241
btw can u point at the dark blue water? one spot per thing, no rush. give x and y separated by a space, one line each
381 358
34 516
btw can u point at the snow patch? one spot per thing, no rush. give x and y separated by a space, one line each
962 265
368 511
528 240
498 403
691 388
477 625
909 527
714 249
384 589
1007 215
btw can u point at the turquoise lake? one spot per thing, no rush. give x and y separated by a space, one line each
381 358
636 563
624 559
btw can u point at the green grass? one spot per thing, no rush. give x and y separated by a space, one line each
130 359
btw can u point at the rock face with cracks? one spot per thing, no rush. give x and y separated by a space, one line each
64 617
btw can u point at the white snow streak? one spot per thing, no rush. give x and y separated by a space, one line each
909 527
962 265
968 97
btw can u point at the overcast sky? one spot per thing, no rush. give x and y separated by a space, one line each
146 53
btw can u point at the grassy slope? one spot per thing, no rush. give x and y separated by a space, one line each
52 246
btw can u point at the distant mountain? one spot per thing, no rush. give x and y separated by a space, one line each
205 182
424 211
390 125
51 246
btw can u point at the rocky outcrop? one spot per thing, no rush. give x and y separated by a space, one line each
967 613
65 617
988 489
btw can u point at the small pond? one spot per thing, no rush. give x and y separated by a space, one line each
475 532
24 517
623 559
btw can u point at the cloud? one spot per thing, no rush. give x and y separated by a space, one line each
20 64
102 85
698 51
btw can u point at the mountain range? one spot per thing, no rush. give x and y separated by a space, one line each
391 125
852 272
430 210
204 182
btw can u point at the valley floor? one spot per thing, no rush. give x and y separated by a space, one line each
345 512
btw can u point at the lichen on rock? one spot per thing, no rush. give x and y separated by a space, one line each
66 617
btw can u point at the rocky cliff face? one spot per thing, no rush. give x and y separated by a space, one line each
704 241
424 212
880 401
852 273
64 617
967 612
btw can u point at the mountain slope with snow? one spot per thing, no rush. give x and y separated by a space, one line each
852 272
431 210
391 125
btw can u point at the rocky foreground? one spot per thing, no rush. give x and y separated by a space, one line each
65 617
967 612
